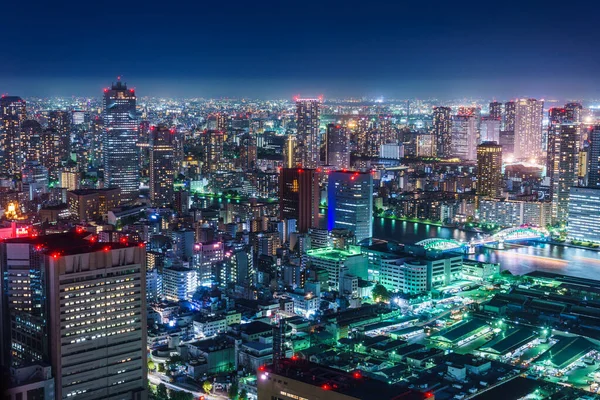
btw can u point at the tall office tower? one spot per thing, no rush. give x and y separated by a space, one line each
12 114
289 152
299 197
496 110
574 111
594 158
60 121
350 203
337 153
308 119
490 130
212 143
120 153
362 132
489 170
557 116
162 165
528 128
79 306
565 173
31 145
442 131
464 137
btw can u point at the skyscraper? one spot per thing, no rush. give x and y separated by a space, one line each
594 158
584 214
79 306
490 130
299 197
162 165
573 111
442 131
12 114
212 143
528 128
308 119
489 169
121 161
350 203
496 110
464 137
565 173
337 153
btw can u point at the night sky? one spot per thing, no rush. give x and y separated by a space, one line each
447 49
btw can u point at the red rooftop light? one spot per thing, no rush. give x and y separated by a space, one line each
325 387
357 375
106 248
55 256
261 368
141 244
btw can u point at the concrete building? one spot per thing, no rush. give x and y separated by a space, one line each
308 119
584 214
93 204
464 137
489 169
514 212
565 172
528 128
333 260
350 203
81 307
179 283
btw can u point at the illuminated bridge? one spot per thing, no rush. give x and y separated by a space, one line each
506 235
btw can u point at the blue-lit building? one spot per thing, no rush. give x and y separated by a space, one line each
121 160
350 202
584 214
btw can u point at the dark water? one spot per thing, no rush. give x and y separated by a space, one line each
518 258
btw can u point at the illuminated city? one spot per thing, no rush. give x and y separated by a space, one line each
347 234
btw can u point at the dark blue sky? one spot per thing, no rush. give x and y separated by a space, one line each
278 48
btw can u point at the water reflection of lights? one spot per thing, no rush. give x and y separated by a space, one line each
533 257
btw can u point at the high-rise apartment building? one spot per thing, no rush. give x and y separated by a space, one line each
528 128
337 152
308 119
79 306
350 203
594 158
299 197
496 110
442 131
565 173
464 137
121 161
212 142
162 165
12 114
60 121
490 130
489 169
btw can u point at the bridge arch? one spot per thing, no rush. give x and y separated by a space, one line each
440 244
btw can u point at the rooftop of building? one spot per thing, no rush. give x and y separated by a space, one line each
566 351
71 243
460 330
509 341
332 253
353 384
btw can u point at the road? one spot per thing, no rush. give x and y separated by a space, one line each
155 379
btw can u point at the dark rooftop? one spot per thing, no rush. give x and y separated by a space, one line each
353 384
70 243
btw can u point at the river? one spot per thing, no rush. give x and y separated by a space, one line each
517 258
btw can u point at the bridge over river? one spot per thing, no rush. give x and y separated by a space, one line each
510 235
